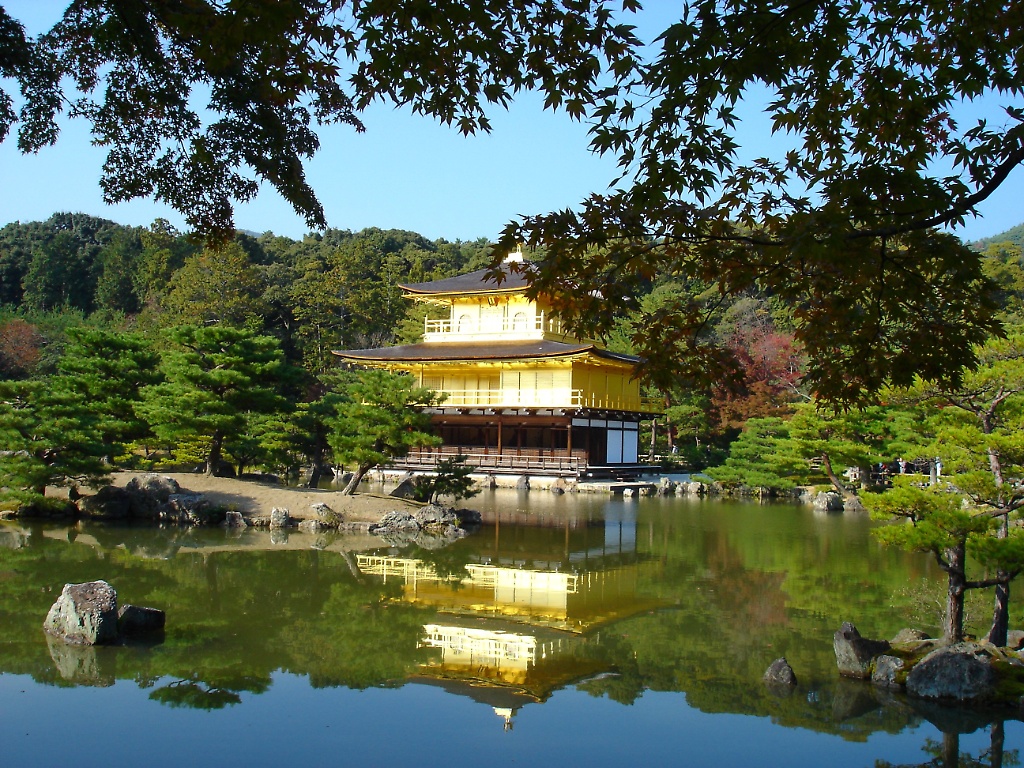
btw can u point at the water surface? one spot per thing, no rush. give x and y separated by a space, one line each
569 629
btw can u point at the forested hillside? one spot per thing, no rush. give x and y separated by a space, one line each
1014 235
295 301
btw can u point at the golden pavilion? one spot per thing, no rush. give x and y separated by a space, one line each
520 395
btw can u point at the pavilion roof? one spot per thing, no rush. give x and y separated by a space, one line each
470 283
479 351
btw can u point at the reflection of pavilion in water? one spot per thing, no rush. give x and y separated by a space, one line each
526 611
573 579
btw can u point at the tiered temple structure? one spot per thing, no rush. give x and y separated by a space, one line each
521 395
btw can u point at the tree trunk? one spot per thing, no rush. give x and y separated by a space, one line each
357 478
953 624
316 473
1001 609
950 750
214 458
1001 612
826 463
353 566
996 744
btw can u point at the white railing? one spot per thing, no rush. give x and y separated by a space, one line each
504 326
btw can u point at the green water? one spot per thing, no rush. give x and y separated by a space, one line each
572 628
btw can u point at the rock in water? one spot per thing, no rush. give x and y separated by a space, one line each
279 518
780 673
139 620
958 672
84 614
327 516
828 501
887 670
854 653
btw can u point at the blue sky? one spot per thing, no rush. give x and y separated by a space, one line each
404 172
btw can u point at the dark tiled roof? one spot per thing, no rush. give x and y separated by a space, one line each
476 350
473 282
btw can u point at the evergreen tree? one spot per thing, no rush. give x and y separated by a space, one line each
215 376
107 370
380 419
934 520
49 437
761 458
218 286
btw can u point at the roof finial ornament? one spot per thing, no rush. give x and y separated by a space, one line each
515 256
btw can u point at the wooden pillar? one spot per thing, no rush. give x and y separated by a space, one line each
499 433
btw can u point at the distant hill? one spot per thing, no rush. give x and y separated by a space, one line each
1013 235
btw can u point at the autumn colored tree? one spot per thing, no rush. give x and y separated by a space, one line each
20 345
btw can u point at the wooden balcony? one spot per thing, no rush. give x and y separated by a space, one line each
510 460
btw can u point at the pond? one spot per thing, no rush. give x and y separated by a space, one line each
568 629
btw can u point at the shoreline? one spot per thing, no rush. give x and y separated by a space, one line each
256 499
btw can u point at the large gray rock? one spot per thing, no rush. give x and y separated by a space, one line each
312 527
406 489
887 671
828 501
780 674
191 509
156 486
854 653
234 519
435 514
523 483
84 614
327 517
279 518
666 487
958 672
109 503
907 635
393 522
1015 639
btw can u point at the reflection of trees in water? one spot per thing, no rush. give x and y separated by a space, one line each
740 595
195 694
946 753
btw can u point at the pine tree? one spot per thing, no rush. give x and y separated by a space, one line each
381 419
214 377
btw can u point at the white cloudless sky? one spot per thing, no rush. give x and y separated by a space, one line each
404 172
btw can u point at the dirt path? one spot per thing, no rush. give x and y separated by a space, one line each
253 498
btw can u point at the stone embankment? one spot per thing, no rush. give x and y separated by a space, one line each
237 505
928 668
